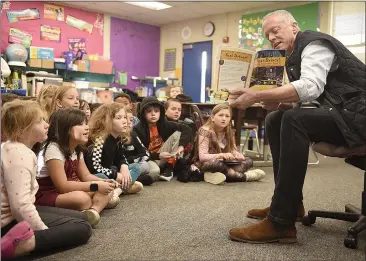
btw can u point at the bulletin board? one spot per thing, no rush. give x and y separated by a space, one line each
55 23
250 28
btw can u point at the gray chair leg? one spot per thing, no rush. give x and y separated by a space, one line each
316 158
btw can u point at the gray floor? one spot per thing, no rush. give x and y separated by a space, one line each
176 221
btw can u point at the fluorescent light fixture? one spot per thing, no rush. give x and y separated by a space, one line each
150 5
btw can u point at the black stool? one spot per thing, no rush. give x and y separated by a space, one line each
352 213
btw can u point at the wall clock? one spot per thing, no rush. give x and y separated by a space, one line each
208 29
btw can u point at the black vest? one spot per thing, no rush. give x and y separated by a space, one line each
345 90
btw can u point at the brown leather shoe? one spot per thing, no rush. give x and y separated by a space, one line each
263 232
263 212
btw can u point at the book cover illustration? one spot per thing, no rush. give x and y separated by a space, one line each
269 66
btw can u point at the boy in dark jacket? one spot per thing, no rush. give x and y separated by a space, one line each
165 140
183 169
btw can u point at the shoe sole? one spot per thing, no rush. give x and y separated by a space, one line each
298 219
166 178
93 220
215 180
278 240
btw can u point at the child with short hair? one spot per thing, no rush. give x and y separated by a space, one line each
63 177
31 229
216 153
174 90
84 106
105 156
183 169
45 98
165 140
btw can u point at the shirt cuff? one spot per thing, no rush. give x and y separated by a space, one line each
301 89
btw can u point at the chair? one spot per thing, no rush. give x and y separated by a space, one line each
352 213
249 128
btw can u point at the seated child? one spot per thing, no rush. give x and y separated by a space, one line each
45 97
174 90
84 106
65 97
105 155
125 99
173 110
26 228
164 139
215 145
63 177
136 152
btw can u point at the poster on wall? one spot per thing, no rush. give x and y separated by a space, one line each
5 5
79 24
76 44
169 59
22 15
17 36
50 33
54 12
251 35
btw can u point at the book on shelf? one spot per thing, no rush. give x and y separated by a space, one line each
240 68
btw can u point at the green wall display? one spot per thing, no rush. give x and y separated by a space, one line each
251 35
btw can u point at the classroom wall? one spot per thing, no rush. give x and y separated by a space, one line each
225 25
134 48
94 41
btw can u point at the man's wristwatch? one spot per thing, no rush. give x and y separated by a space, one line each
93 187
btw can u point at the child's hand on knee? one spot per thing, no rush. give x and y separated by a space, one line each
164 155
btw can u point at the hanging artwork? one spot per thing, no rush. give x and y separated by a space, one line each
22 15
54 12
50 33
99 23
79 24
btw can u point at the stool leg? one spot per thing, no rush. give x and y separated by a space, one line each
256 136
245 142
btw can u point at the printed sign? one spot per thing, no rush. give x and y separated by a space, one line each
22 15
54 12
76 44
79 24
17 36
50 33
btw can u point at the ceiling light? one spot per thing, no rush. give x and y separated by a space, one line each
150 5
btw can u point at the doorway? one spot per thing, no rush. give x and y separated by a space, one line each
197 70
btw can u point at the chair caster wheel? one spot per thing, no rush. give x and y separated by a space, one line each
350 241
308 220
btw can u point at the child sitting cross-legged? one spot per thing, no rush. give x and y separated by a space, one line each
26 228
164 139
216 153
105 155
183 170
63 177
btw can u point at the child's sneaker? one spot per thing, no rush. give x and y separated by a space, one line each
113 202
254 175
215 178
135 188
93 216
167 173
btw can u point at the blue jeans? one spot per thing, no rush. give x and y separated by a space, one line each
134 169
